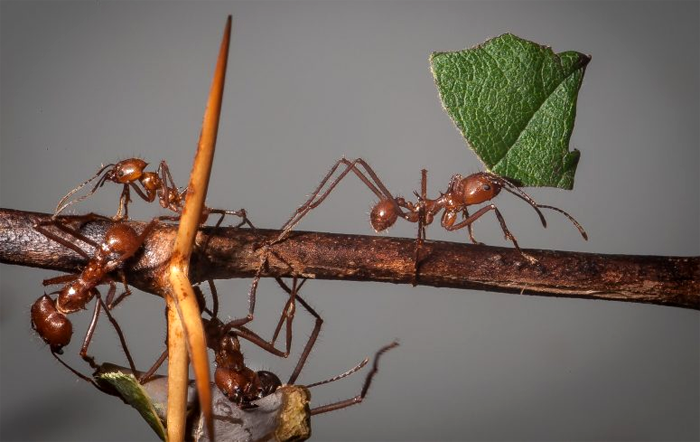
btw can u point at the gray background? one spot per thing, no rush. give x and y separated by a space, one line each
87 83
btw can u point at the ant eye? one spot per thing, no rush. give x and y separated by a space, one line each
486 187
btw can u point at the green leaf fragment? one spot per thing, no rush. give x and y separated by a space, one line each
133 394
514 101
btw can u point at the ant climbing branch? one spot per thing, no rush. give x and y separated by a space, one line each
235 253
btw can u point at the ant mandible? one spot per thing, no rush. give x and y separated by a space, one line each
160 184
49 316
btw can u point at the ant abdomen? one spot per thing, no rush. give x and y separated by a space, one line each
383 215
53 326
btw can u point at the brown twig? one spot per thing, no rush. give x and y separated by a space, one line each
234 253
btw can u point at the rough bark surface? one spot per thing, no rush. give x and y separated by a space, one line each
236 253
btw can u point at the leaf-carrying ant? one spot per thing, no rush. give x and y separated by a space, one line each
49 316
461 193
131 174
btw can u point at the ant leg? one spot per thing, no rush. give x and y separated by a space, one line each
156 365
421 225
244 332
365 387
214 298
312 338
242 214
470 227
319 194
146 197
502 222
111 303
288 315
167 186
83 377
93 324
289 309
60 224
88 336
60 279
124 201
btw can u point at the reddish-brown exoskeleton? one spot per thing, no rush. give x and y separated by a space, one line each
243 386
461 193
131 174
49 316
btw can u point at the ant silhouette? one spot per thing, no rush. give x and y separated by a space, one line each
49 316
131 174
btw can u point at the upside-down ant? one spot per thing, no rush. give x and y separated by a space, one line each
219 335
160 184
48 316
243 386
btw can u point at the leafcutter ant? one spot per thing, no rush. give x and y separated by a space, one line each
242 385
49 315
461 193
131 174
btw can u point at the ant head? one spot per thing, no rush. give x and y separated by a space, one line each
53 327
479 187
269 382
383 215
127 171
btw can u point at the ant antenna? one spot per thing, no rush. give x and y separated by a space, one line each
517 191
60 207
342 375
571 218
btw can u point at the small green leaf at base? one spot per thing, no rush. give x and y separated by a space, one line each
282 416
133 394
514 101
